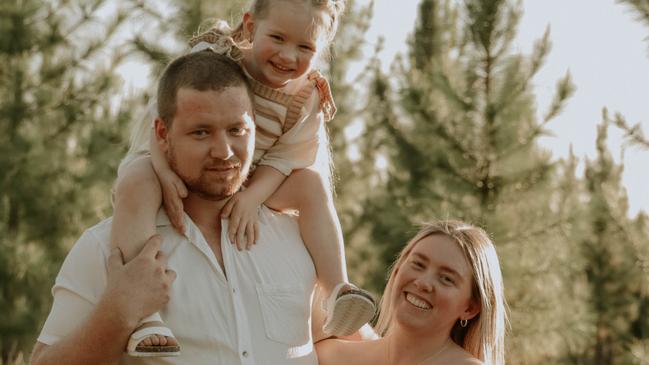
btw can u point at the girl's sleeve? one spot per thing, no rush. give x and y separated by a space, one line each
298 147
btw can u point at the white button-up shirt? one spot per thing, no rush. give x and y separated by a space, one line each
258 314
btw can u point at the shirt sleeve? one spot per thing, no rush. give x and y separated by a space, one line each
77 289
297 148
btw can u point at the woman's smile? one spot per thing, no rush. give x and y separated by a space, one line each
417 301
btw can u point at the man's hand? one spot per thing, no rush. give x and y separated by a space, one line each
141 287
243 228
173 192
133 291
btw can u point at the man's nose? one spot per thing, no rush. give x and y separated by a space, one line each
221 148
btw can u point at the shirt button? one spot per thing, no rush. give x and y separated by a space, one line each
245 354
234 290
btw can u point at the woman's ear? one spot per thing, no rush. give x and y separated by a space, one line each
471 310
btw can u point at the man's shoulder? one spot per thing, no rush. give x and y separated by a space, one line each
84 268
102 228
278 224
97 235
95 239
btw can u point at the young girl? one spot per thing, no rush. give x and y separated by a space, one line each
277 44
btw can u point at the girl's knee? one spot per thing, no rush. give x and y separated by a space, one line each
137 179
309 186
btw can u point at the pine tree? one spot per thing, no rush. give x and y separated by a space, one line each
634 133
60 135
611 248
176 22
459 140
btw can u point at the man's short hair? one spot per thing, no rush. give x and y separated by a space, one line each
199 71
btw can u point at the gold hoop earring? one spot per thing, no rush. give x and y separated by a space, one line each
464 322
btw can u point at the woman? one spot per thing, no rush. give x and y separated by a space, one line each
443 304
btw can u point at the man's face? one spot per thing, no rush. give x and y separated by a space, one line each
210 142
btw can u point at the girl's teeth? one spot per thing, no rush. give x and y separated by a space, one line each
280 67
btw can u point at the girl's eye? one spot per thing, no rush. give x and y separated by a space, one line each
417 264
275 37
307 48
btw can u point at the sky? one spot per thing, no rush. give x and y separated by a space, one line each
598 41
604 49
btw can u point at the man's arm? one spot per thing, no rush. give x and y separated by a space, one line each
101 339
133 291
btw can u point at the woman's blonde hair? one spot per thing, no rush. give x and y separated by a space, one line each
484 335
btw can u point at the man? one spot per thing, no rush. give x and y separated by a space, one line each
226 306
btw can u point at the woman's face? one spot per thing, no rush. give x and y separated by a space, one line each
432 288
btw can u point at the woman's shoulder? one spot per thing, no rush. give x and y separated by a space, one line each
456 356
333 351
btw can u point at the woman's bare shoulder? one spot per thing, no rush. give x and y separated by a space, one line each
455 355
335 351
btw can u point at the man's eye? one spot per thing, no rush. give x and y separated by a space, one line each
238 131
200 133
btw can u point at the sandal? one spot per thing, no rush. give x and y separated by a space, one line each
347 310
148 329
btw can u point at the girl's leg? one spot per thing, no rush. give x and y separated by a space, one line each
136 203
137 199
305 191
348 308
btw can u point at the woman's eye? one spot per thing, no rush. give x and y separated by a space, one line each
307 48
276 37
447 280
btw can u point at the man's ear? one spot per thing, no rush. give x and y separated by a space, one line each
248 25
161 134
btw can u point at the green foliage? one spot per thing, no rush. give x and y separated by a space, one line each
175 22
634 134
451 132
60 140
612 247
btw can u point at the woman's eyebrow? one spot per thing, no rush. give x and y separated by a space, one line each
443 268
452 272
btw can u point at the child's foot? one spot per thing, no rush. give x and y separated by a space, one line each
153 339
348 309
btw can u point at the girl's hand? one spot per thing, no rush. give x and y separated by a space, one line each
173 192
243 229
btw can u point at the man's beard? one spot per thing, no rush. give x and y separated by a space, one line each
212 188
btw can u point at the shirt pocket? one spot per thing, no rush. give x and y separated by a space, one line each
285 310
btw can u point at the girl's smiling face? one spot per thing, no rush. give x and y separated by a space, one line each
285 43
433 287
